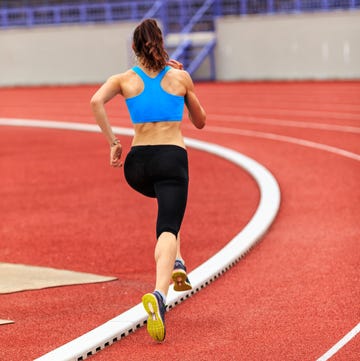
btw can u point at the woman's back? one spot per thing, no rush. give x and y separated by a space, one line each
155 101
173 82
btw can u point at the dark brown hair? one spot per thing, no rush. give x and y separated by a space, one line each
148 45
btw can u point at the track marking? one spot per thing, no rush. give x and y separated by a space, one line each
303 113
214 129
282 138
122 325
20 277
348 337
285 123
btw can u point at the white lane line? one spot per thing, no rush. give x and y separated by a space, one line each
285 123
120 326
348 337
283 138
354 115
54 124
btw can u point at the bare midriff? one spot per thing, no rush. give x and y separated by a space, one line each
155 133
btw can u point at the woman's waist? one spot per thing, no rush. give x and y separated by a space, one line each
158 133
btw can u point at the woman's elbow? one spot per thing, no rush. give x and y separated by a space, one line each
200 123
94 101
202 120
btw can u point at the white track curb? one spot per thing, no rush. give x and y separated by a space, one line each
120 326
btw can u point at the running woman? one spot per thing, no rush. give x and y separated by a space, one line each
155 92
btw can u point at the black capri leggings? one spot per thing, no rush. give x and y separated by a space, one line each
161 172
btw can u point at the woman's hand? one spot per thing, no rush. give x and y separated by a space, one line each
175 64
115 155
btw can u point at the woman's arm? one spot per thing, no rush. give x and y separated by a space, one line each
105 93
197 113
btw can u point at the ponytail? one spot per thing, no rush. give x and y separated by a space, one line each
148 45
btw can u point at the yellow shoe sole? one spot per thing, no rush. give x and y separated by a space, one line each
155 324
179 277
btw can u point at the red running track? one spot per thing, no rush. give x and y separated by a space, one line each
291 298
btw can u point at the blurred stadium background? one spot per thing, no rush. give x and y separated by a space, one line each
85 41
300 132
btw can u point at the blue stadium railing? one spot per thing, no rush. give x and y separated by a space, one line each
176 13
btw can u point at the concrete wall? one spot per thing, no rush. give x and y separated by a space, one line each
64 54
303 46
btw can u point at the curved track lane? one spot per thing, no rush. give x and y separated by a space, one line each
296 294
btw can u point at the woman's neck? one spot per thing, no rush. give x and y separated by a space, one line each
148 71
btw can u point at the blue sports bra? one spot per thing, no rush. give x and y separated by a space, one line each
154 104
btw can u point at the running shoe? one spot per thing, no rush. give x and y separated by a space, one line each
155 307
179 276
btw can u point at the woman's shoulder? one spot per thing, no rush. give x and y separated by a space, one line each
178 72
122 79
124 75
181 75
